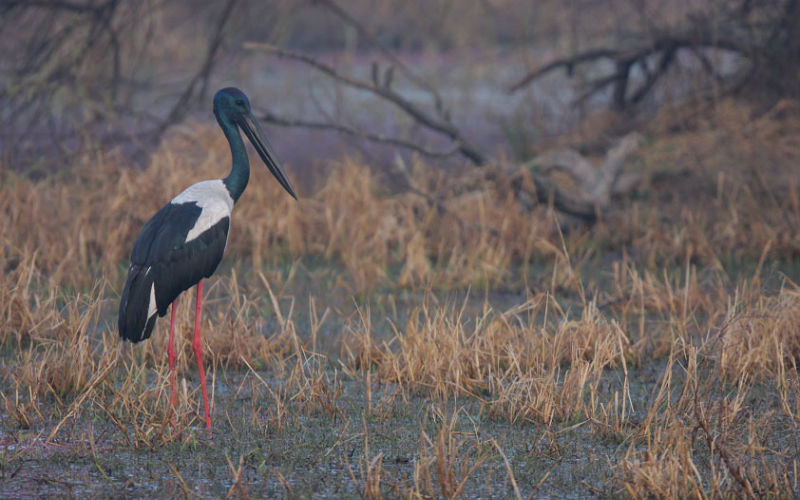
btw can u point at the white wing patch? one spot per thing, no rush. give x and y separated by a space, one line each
151 306
213 199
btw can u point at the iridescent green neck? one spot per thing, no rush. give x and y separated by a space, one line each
236 181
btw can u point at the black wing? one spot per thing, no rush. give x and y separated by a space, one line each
162 257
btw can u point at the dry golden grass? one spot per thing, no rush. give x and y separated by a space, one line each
670 315
518 369
721 435
80 223
760 336
451 456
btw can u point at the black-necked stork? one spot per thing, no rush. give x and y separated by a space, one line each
184 241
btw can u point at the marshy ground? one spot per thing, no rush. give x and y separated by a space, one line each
367 344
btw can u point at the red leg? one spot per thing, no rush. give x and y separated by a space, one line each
197 344
172 357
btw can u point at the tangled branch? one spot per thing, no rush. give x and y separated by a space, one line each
764 36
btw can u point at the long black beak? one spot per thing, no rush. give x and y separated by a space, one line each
253 132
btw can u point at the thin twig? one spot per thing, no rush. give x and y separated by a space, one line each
567 62
388 54
269 117
719 447
181 107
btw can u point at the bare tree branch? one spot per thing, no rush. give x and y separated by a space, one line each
351 131
665 45
386 93
545 191
596 184
568 63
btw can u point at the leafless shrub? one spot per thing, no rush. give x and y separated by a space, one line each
761 35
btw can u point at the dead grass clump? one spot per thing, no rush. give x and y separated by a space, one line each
697 442
693 451
760 338
557 375
665 470
137 403
725 189
520 370
62 356
448 457
370 469
673 294
352 220
658 310
345 221
74 223
27 304
302 383
434 351
662 463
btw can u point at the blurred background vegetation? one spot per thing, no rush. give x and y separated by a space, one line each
512 74
554 97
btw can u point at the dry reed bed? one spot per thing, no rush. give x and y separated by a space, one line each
701 434
707 430
74 363
520 370
726 355
80 222
727 378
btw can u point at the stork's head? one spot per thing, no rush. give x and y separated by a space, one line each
230 101
231 106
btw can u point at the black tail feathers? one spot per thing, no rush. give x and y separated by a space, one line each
137 316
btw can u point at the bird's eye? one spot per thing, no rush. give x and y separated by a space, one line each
240 102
